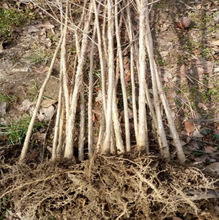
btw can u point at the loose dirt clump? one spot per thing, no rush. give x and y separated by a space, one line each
108 188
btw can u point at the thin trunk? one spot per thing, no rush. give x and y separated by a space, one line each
116 124
164 148
31 124
175 135
63 64
122 79
106 144
90 97
59 109
82 124
74 98
60 140
135 116
100 51
142 132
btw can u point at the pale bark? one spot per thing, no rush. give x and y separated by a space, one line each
100 51
106 144
130 32
175 135
74 98
56 128
90 98
59 150
142 132
122 79
63 64
164 148
82 125
30 127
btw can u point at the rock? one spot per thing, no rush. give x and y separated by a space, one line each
216 17
213 168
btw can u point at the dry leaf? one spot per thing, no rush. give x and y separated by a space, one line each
128 77
99 97
93 118
204 67
32 29
32 156
214 43
189 127
46 114
47 25
47 103
214 167
45 69
97 111
202 159
25 105
38 136
210 150
203 106
197 134
199 6
193 145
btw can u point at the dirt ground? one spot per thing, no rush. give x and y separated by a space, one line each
132 186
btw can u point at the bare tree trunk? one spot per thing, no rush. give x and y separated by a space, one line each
82 125
90 97
30 127
60 140
58 115
78 80
135 116
122 79
116 124
142 132
106 144
175 135
100 50
164 148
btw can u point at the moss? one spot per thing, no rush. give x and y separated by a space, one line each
10 18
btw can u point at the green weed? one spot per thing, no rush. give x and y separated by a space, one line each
16 130
40 55
10 18
7 98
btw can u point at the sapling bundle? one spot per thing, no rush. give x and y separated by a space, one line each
106 34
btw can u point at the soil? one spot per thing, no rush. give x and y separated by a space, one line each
113 187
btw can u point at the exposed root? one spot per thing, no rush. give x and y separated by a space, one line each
105 188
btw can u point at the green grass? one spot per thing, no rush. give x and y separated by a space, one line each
7 98
40 55
15 131
10 18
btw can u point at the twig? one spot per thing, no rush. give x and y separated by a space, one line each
78 81
164 148
30 127
82 125
122 79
